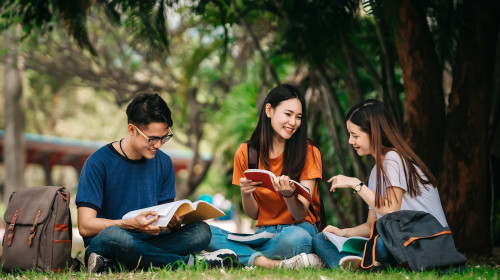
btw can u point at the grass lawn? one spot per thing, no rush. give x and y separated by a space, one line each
485 271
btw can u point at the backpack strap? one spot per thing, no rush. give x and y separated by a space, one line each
322 216
10 236
369 253
33 231
415 238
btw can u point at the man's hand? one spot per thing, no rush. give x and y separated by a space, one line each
175 223
144 222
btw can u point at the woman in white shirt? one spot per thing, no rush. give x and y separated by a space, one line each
398 181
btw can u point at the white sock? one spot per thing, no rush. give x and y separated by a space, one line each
191 260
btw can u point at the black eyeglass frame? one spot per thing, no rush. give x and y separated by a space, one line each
153 140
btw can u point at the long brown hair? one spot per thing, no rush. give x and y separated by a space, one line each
294 156
373 118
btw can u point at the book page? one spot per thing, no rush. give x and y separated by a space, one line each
354 244
189 211
257 239
248 237
338 241
262 175
165 212
303 190
202 211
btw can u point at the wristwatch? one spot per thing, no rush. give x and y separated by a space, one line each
357 188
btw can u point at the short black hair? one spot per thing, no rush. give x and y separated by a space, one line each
147 108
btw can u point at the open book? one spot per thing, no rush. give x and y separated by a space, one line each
266 177
354 245
189 211
255 239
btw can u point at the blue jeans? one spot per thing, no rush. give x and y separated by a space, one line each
290 240
331 255
141 250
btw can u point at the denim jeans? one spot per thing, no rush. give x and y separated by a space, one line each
331 255
290 240
141 250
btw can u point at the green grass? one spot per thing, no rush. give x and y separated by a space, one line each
198 272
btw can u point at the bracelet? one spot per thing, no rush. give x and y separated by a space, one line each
289 195
358 187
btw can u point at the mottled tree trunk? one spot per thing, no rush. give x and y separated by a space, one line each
422 77
14 152
197 168
465 179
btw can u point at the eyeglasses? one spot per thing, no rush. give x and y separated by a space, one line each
153 140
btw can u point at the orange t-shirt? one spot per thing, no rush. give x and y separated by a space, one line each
273 209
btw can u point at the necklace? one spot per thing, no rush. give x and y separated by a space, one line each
122 149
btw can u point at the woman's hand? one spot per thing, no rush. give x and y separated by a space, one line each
334 230
283 186
248 186
341 181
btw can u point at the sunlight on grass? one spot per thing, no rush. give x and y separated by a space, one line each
200 272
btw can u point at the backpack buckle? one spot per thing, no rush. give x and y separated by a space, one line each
32 230
11 227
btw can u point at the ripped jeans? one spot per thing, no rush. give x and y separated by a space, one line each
290 240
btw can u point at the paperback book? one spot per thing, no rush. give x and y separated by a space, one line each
267 177
187 210
353 245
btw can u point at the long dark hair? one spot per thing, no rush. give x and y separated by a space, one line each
373 118
296 147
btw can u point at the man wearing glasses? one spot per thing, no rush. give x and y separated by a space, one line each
130 174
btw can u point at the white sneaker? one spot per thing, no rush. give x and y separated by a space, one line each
298 261
350 263
302 260
315 261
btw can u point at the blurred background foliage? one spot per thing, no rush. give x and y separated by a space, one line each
214 61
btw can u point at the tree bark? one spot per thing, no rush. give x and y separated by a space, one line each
14 156
465 178
422 76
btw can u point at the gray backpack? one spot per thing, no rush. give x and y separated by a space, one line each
38 232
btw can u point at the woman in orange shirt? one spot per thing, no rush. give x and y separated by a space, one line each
281 140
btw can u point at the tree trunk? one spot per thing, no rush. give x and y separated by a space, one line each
14 156
332 131
422 76
465 178
197 168
333 99
356 92
390 95
256 42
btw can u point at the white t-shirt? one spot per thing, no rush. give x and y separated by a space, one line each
427 202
